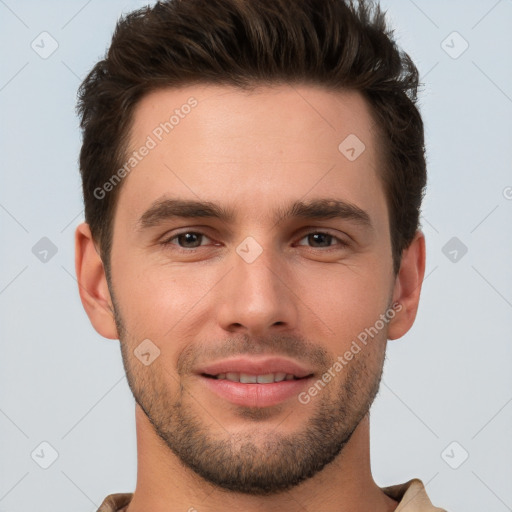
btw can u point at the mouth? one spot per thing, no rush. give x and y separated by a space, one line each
246 378
254 382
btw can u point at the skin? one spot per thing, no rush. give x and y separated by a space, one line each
301 298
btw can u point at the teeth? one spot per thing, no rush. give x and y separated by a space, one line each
248 379
263 379
245 378
278 377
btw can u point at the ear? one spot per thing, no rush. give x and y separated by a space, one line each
92 283
408 287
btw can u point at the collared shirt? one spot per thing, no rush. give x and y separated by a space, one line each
411 496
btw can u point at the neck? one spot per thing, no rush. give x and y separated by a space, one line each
164 484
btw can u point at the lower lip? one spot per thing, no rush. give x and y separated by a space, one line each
256 395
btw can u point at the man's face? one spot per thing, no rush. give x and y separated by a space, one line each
256 293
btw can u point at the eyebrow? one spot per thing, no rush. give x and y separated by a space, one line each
318 209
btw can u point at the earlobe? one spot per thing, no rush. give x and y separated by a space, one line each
408 287
92 283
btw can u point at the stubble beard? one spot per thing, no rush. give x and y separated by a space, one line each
260 460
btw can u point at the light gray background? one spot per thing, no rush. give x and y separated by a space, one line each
447 380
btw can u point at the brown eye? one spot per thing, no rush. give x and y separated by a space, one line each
186 240
321 239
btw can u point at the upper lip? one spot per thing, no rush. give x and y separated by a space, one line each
256 366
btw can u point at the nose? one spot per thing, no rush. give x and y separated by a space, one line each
258 296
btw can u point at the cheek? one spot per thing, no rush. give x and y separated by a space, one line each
159 300
347 300
154 299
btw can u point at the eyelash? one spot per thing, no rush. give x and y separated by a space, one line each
168 242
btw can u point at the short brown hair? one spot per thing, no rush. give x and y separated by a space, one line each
337 44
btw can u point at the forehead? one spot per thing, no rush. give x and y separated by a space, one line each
251 149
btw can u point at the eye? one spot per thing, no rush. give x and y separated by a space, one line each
324 239
190 240
186 240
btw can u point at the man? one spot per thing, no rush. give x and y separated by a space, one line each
253 174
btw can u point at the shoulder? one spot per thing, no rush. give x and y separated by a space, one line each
115 502
412 496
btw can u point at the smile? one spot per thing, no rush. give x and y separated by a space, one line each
246 378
